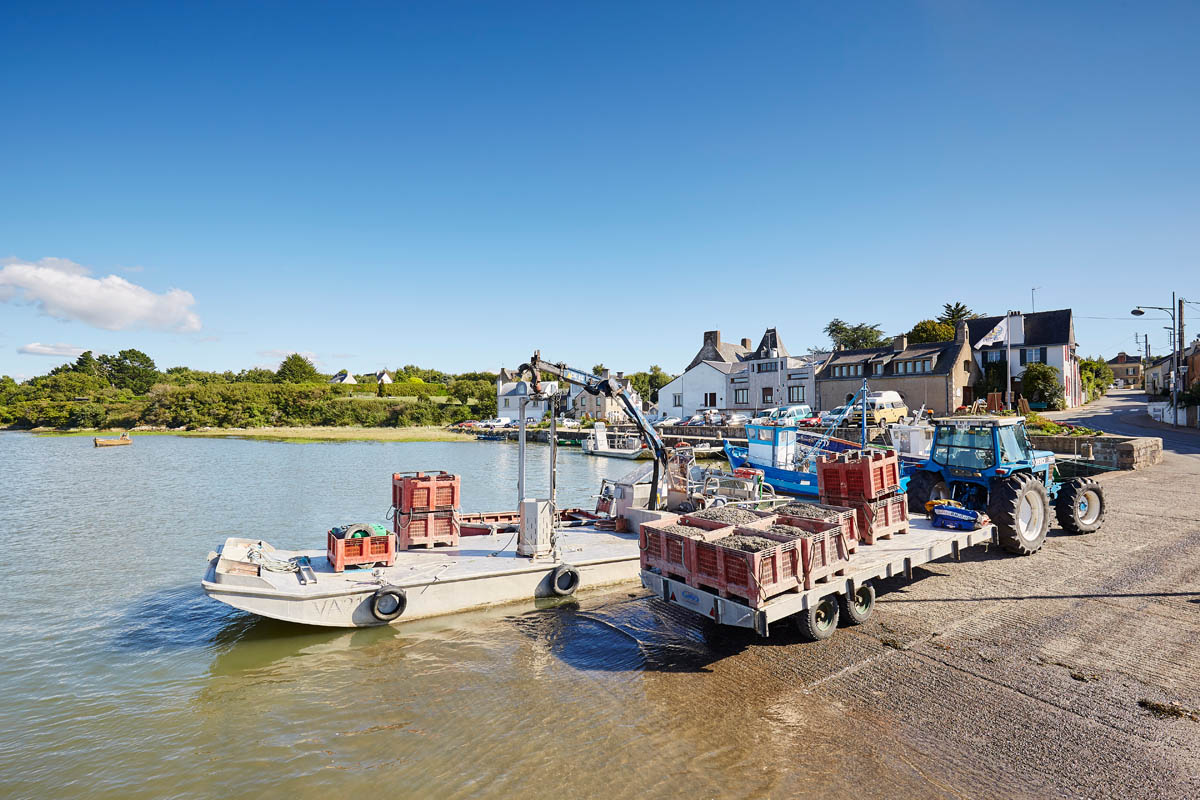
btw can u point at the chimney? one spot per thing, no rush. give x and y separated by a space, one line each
960 331
746 344
712 338
900 343
620 375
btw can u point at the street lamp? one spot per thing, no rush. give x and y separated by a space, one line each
1139 311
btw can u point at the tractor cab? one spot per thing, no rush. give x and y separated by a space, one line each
987 464
977 449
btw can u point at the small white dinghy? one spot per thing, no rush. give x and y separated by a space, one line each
597 444
301 586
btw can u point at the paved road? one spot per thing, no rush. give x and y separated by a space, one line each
1074 672
1123 412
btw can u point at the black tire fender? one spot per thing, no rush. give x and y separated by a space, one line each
564 580
388 603
1073 519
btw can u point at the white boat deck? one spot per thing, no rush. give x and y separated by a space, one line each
481 571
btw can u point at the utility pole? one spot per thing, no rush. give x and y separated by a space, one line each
1033 299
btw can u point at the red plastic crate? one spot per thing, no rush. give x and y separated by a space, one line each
670 553
426 491
825 552
860 474
344 553
427 529
752 577
877 519
847 519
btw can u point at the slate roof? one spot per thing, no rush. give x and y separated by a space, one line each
1041 328
770 341
720 352
944 353
725 366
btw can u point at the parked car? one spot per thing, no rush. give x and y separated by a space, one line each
694 419
494 422
668 421
826 418
785 415
567 422
737 419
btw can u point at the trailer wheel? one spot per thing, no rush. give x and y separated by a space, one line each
1020 509
857 610
924 486
1080 506
820 621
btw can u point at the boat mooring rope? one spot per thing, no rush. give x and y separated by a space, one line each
255 555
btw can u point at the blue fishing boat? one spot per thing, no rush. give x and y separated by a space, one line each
787 456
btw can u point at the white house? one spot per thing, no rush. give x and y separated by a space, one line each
343 377
702 386
1046 337
383 377
509 392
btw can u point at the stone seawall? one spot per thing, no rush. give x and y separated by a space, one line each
1120 452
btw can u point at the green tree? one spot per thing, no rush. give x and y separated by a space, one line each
297 369
598 369
1040 383
87 363
129 369
930 330
854 337
1096 376
647 384
255 375
955 313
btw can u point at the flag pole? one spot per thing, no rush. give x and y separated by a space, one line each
1008 397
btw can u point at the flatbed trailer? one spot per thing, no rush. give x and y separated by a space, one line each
853 591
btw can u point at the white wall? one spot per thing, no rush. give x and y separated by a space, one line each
693 385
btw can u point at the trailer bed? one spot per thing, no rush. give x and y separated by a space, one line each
884 559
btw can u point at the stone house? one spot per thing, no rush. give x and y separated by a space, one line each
1126 369
602 407
937 375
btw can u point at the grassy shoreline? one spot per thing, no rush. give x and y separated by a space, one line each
425 433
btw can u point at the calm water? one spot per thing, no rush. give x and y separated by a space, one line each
119 678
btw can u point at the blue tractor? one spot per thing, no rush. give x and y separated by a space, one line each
988 464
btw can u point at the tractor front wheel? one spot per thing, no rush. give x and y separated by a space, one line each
1080 506
924 486
1020 508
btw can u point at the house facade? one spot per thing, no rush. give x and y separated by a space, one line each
937 375
343 377
509 392
1046 337
703 385
1158 375
769 376
1126 369
602 407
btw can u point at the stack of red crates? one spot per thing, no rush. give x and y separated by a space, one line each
868 482
427 507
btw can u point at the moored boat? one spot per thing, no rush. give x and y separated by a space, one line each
117 441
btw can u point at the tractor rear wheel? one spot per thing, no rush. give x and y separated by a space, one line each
1020 509
924 486
1080 506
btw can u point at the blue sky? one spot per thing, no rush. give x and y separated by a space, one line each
456 184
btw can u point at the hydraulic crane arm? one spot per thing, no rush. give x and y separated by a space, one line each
609 387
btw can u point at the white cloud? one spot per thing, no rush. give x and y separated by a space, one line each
66 290
58 349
